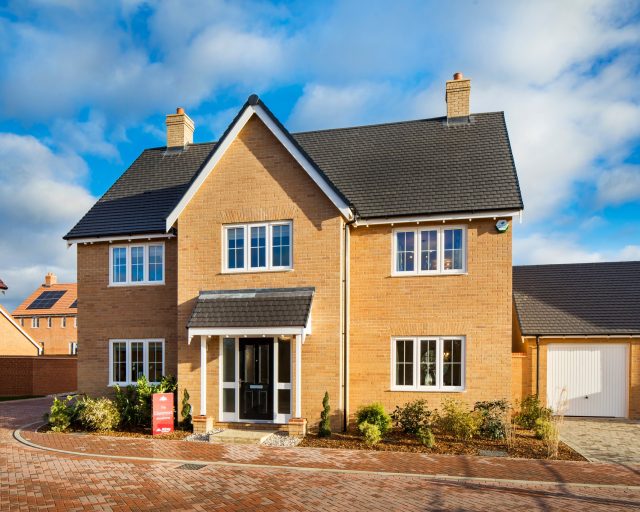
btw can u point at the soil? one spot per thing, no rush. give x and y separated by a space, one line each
144 433
525 445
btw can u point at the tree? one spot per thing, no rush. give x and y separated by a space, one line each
325 424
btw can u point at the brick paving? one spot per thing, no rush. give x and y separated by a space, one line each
34 479
603 439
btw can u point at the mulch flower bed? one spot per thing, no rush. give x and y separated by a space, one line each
144 433
525 445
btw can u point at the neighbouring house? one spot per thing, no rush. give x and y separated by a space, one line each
579 326
372 262
49 315
14 341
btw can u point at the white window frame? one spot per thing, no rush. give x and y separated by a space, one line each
438 387
247 268
63 322
145 358
35 322
145 281
417 251
75 322
73 348
235 416
49 322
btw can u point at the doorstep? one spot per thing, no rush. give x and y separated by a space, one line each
240 436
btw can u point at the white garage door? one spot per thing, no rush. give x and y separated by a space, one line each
594 377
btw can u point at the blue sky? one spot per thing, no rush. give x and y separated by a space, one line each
85 86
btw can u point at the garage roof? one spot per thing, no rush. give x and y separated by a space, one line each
578 299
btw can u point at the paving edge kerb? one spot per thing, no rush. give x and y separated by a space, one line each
17 435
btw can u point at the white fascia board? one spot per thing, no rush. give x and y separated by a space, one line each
20 329
578 336
437 218
245 331
118 238
220 150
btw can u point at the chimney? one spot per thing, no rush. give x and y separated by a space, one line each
50 279
179 129
458 94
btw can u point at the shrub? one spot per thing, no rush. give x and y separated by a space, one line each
134 402
412 416
62 414
185 412
375 415
370 432
426 437
493 418
325 425
98 414
457 421
530 411
543 429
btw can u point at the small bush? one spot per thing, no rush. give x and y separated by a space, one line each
457 421
412 416
134 402
375 415
426 437
62 414
530 411
370 432
493 418
325 425
185 412
98 414
544 429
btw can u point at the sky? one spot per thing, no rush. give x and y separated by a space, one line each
85 87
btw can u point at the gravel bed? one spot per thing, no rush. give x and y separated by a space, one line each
282 439
203 438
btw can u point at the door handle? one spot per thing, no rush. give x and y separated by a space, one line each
586 397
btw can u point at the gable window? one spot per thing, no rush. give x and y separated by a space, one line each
428 363
434 250
131 359
257 247
136 264
35 322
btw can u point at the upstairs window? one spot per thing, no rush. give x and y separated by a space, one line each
35 322
63 322
136 264
257 247
433 250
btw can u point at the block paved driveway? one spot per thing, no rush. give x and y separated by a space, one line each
250 477
603 439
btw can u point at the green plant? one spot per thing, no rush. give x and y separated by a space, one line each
185 412
325 424
98 414
134 401
375 415
543 428
457 421
493 418
370 432
412 416
62 414
426 437
531 410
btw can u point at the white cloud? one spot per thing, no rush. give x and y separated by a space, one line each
41 197
86 137
619 185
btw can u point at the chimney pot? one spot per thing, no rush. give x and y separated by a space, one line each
457 75
180 129
50 279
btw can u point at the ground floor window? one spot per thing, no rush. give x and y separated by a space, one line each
255 383
73 348
131 359
428 363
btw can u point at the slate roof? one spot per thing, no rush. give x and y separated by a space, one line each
267 307
66 305
409 168
578 299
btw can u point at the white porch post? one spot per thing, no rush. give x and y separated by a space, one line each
298 376
203 375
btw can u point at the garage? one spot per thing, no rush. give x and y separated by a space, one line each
587 379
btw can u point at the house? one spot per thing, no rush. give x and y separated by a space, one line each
49 315
268 267
579 326
14 341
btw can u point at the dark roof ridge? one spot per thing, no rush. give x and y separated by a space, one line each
582 263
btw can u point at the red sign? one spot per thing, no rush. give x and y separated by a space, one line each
162 413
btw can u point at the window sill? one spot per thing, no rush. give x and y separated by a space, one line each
131 285
123 384
428 274
256 271
435 390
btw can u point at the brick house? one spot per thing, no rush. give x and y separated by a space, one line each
49 315
268 267
14 341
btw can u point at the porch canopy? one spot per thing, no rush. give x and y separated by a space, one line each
267 312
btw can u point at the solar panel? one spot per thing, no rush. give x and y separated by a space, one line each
75 304
46 300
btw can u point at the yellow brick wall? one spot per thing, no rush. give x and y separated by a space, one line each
258 180
115 312
12 341
56 338
476 305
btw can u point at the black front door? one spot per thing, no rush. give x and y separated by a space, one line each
256 379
